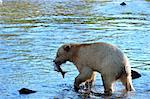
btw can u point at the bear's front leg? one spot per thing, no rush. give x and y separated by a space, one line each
86 73
90 82
77 82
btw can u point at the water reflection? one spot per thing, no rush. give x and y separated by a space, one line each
32 30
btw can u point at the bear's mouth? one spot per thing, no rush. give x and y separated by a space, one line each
60 62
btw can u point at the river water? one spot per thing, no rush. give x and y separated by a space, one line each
32 30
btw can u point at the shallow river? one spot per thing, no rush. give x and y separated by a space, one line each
32 30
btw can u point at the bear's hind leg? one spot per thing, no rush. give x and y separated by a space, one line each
108 84
127 82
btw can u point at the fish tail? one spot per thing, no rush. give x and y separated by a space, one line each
63 74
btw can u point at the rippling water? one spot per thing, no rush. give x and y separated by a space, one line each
32 30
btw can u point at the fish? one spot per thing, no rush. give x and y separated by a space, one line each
58 69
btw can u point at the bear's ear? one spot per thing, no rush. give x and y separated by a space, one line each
67 48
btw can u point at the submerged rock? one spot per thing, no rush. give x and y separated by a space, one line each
26 91
135 74
123 4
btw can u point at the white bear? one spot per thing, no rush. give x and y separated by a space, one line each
106 59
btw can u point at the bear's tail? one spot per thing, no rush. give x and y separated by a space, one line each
135 74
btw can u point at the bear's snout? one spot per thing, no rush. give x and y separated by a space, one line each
57 62
54 61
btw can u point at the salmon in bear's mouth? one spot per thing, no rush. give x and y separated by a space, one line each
58 69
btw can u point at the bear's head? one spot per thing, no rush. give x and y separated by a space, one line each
63 54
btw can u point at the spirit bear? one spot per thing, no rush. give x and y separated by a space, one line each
106 59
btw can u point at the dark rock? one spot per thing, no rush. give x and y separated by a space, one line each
26 91
123 4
